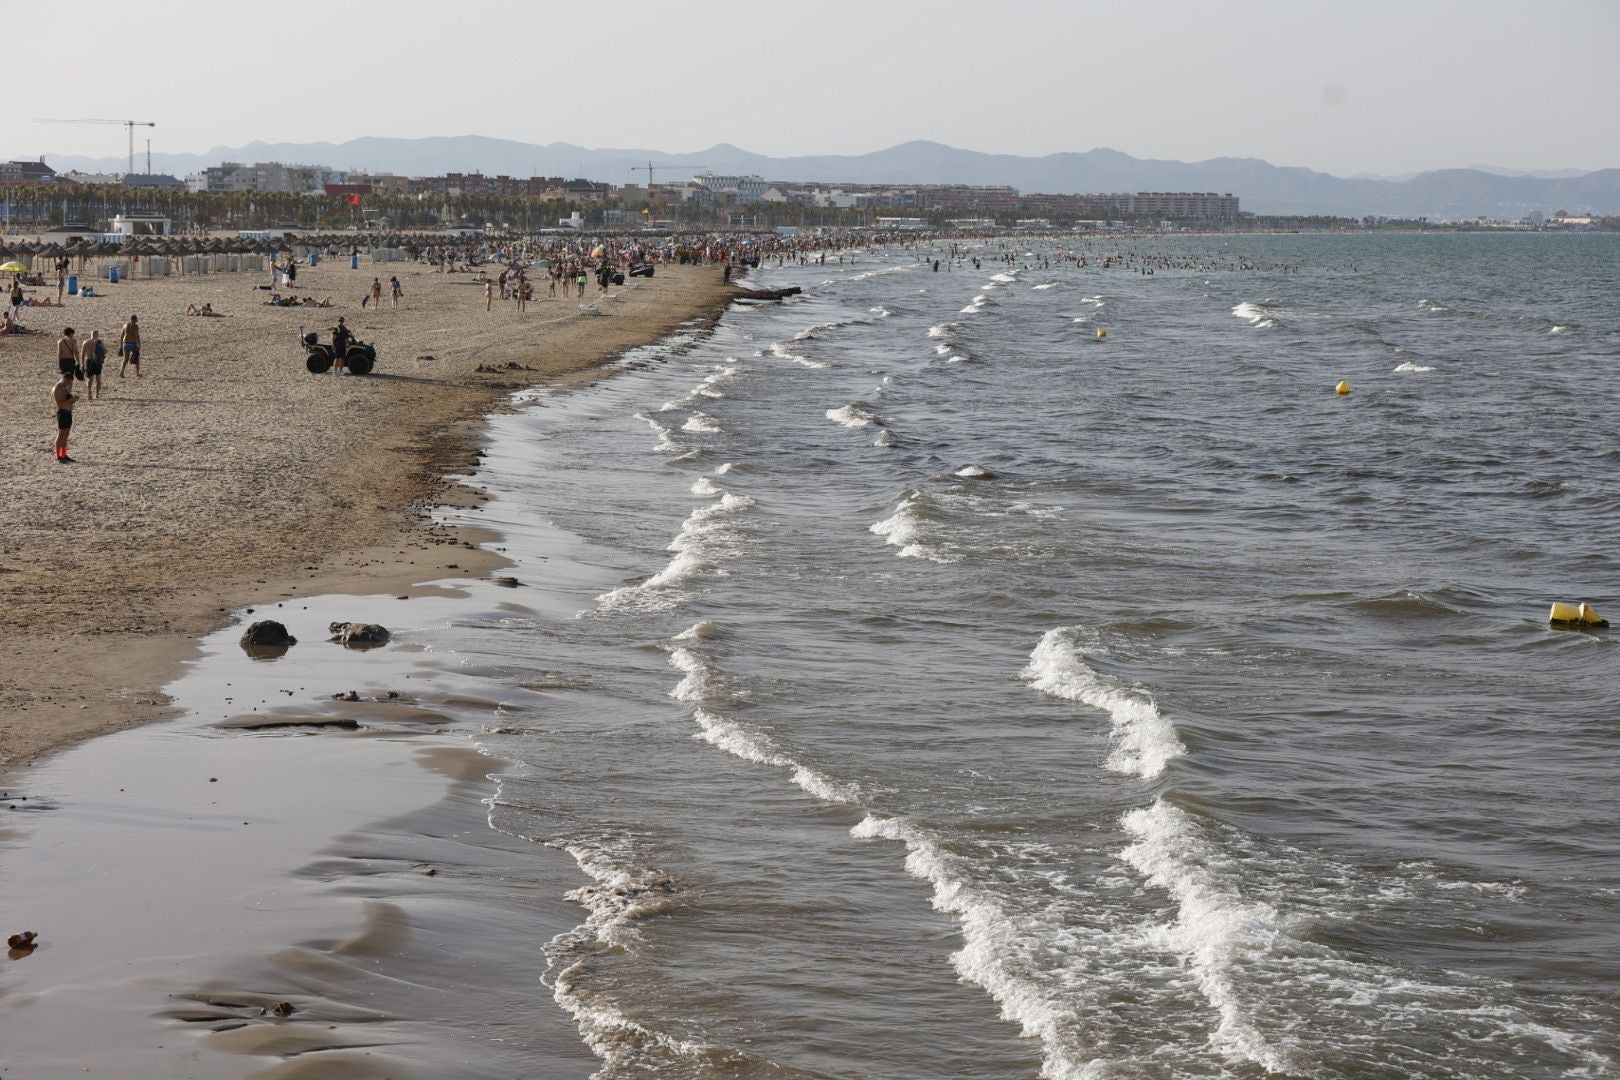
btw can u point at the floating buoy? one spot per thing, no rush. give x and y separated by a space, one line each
1343 388
1575 615
1101 332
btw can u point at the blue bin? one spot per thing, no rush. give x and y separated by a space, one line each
73 284
314 258
354 262
112 274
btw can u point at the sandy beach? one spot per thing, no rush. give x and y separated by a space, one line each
228 475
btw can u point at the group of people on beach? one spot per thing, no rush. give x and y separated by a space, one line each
81 360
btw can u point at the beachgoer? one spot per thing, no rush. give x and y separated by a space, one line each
489 295
63 396
340 344
16 297
376 293
93 358
580 281
67 353
129 343
393 287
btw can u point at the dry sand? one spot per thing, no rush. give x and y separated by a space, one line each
227 475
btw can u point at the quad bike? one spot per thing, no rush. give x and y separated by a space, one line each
359 357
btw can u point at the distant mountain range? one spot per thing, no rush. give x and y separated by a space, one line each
1264 188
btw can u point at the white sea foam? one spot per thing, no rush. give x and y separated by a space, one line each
974 472
709 387
1560 330
782 351
1046 285
702 630
751 744
1258 315
704 540
881 312
885 438
994 940
623 892
854 415
1432 307
819 330
706 487
904 530
666 437
725 467
700 422
1217 932
1409 367
1144 741
697 674
739 741
941 330
1005 278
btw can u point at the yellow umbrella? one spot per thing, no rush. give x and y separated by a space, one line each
13 267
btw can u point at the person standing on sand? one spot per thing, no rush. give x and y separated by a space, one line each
393 287
376 293
63 396
340 346
92 359
61 279
489 295
129 343
67 353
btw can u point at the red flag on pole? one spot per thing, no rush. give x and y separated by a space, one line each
354 200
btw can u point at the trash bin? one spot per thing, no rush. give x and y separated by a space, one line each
73 284
354 261
112 274
314 258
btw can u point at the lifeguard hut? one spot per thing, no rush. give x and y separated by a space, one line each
137 224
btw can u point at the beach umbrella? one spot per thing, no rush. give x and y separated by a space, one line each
13 267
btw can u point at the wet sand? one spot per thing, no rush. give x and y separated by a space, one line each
286 883
227 474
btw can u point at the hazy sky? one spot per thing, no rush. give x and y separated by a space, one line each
1349 86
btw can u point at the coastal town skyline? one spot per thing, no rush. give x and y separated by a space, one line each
1384 90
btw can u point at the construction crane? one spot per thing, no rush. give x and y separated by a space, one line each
650 168
130 124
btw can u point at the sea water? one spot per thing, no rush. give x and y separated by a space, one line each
927 686
954 691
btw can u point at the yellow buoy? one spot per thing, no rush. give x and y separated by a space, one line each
1343 388
1575 615
1101 332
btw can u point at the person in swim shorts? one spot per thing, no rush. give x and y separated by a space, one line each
129 343
63 397
67 353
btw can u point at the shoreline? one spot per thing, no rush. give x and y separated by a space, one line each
104 622
356 878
